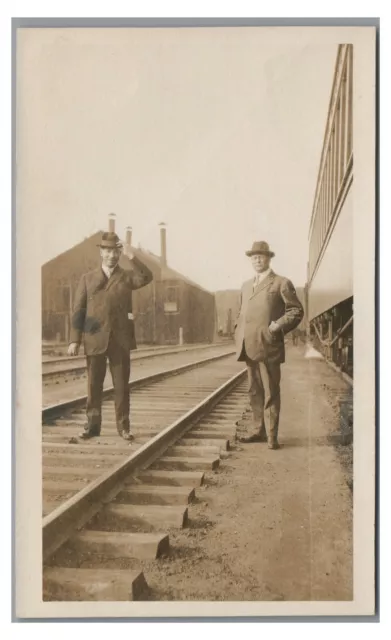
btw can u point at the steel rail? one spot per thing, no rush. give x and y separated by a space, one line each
135 356
55 410
61 524
81 356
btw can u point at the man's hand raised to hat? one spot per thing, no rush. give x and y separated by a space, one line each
73 349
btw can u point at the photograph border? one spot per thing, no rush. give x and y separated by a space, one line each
184 23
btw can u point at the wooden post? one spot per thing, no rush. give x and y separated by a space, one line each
153 312
70 312
67 328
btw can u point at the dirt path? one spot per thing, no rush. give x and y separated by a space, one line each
271 525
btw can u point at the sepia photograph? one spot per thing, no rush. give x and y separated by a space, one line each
193 206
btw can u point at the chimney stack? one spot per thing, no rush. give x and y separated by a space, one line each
112 222
163 244
129 237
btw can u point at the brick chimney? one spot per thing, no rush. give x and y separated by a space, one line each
128 241
112 222
163 244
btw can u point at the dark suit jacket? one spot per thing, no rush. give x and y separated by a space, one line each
102 305
274 299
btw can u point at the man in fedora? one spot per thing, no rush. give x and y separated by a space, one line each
103 313
269 310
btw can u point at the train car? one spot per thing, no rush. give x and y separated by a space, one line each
329 290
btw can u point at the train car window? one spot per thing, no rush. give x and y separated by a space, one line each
329 185
336 159
342 132
326 187
350 102
325 204
332 172
337 149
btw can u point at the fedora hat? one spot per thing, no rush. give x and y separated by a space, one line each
260 247
110 240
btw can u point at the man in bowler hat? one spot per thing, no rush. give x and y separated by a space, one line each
269 310
103 313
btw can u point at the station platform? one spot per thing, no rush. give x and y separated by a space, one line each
275 525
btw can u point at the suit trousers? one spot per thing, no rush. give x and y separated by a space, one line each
264 394
119 362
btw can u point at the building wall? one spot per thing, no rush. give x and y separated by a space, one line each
160 308
171 309
144 312
228 307
153 325
60 278
163 307
198 317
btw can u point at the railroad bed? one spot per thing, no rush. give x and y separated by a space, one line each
64 385
107 500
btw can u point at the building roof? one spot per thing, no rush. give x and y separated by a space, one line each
151 260
167 273
95 236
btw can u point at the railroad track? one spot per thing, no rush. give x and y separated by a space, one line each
67 387
55 368
109 507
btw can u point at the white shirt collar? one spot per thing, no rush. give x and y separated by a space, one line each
261 276
107 271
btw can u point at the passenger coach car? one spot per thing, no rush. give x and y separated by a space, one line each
330 267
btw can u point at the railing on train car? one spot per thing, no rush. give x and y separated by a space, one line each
336 164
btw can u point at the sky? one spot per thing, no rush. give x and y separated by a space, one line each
216 132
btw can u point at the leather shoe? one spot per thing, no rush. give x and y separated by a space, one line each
89 432
86 435
126 435
255 437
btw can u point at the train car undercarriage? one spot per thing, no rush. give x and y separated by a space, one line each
332 334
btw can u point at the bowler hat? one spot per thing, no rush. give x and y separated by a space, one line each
110 240
260 247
